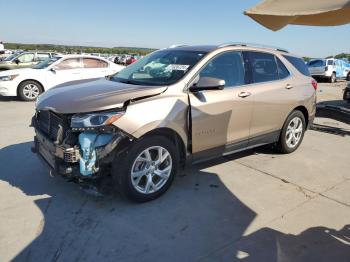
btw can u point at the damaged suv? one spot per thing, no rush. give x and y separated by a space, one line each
179 105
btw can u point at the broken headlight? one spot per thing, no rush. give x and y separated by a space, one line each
93 120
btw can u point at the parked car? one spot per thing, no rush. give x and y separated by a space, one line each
130 60
205 102
23 60
330 69
29 83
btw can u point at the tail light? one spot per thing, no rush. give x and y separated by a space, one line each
314 84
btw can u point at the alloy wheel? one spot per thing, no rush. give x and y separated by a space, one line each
294 132
31 91
151 170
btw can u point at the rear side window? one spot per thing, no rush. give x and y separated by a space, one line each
42 57
282 70
263 67
330 62
299 64
94 63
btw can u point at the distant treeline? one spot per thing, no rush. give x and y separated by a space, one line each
338 56
79 49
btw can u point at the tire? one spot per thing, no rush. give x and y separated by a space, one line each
285 146
29 90
346 95
333 78
135 189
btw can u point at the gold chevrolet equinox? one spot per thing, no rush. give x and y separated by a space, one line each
180 105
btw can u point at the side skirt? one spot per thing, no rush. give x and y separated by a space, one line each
235 147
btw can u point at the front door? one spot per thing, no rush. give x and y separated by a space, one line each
221 118
67 70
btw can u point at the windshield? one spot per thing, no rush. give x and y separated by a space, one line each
9 58
163 67
46 63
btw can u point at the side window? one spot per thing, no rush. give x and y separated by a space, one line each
264 67
26 58
94 63
299 64
282 70
330 62
228 66
42 56
70 63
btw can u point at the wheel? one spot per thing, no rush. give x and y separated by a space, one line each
333 78
346 95
147 169
292 133
29 90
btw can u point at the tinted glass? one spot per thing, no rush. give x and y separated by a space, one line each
71 63
26 58
282 70
299 64
164 67
316 63
94 63
228 67
330 62
46 63
264 67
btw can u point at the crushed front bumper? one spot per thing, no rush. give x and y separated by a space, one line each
64 159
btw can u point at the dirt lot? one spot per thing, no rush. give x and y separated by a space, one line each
254 206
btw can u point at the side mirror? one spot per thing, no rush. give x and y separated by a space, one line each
16 61
208 83
53 69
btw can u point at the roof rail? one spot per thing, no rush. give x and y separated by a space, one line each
253 45
174 46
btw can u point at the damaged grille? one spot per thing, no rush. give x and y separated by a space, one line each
53 125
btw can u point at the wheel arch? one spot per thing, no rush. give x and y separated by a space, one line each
34 80
305 112
174 137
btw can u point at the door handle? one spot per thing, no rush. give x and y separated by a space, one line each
289 86
244 94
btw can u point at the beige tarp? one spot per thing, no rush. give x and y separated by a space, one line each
276 14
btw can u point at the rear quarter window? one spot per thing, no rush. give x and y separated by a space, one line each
299 64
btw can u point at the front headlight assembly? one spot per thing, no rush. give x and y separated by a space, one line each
92 121
8 78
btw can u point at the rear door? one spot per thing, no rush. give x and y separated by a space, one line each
221 118
69 69
273 94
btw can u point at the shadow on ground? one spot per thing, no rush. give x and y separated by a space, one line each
199 219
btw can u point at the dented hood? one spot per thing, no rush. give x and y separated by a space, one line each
92 95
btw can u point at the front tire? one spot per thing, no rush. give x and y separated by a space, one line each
147 169
29 90
292 133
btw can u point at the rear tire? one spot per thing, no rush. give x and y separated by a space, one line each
333 78
137 175
292 133
346 95
29 90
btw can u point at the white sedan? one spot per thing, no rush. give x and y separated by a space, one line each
29 83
